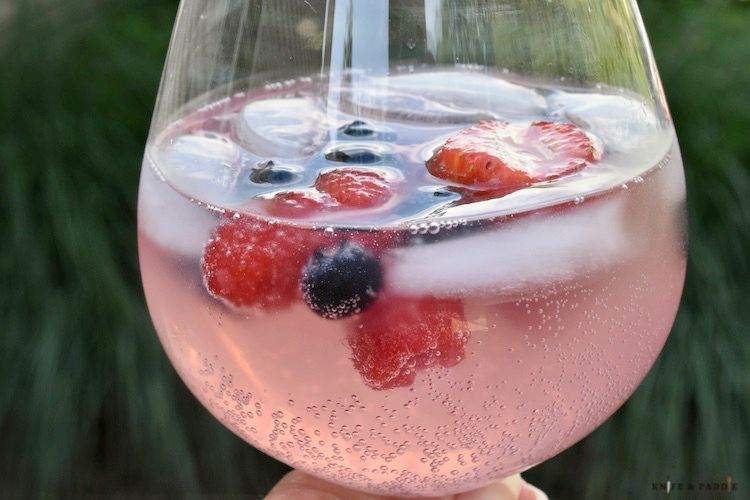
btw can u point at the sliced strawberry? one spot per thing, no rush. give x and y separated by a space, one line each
398 336
494 154
355 188
298 204
252 263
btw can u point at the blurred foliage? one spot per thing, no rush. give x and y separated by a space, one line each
547 39
89 406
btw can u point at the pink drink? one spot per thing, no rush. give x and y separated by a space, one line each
568 289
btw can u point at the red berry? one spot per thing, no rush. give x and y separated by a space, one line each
355 188
376 242
252 263
398 336
295 204
494 154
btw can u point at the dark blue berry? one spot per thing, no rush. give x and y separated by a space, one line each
342 281
268 173
356 155
357 128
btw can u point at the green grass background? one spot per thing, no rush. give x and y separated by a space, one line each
89 406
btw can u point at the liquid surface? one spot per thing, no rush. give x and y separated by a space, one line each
210 155
567 289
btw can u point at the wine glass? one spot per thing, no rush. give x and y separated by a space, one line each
411 246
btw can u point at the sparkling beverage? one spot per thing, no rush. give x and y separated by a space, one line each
496 327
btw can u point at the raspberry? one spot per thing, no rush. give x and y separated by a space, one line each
355 188
504 155
340 189
298 204
375 242
252 263
398 336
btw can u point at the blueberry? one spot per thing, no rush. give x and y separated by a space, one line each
442 194
357 128
358 155
268 173
342 281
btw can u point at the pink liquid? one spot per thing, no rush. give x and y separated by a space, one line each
567 308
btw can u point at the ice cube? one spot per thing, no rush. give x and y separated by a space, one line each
621 121
202 164
444 98
171 220
530 252
477 92
282 127
383 104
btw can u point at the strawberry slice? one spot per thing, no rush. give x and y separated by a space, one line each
398 336
252 263
355 188
494 154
